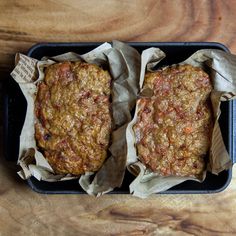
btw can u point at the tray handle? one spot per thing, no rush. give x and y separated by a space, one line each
234 131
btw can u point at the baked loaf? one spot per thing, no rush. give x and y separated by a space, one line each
174 125
73 118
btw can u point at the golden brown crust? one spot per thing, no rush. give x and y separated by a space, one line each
73 117
174 126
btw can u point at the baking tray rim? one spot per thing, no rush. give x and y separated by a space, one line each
149 44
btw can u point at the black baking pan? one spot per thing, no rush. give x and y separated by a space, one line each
15 108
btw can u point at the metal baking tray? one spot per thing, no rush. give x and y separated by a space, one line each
15 108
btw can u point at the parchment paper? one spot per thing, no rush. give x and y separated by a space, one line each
124 63
222 68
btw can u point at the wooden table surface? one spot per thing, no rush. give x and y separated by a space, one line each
24 23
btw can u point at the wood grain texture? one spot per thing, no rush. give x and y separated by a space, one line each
26 22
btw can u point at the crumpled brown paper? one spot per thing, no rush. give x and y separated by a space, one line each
123 62
222 68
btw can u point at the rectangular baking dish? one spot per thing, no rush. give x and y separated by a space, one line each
15 108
